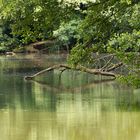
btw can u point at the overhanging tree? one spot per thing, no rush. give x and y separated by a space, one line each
109 26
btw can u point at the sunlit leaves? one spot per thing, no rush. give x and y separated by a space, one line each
126 1
67 32
125 42
131 80
134 21
32 20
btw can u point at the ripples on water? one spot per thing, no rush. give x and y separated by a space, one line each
71 106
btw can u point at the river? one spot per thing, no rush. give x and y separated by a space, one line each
68 106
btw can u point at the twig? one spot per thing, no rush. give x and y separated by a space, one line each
115 67
105 66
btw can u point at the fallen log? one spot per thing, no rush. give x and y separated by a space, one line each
78 68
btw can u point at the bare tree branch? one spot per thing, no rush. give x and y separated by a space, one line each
115 66
106 65
79 68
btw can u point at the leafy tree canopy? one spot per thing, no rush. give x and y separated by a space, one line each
111 26
32 20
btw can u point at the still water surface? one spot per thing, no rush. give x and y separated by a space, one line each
67 106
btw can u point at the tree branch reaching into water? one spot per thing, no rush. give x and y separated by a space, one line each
104 72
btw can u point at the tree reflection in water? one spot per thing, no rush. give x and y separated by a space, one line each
75 106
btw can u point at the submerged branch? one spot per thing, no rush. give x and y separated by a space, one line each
106 70
79 68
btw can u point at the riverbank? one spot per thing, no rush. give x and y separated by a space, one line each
45 47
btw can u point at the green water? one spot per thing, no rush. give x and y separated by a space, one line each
67 106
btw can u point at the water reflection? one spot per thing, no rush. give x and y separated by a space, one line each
71 107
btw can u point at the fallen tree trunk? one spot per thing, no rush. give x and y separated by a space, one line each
78 68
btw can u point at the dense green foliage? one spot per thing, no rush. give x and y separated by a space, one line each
112 26
28 21
67 34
